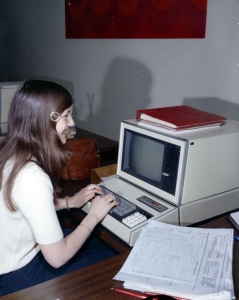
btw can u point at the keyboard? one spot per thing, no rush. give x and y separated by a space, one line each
126 212
136 208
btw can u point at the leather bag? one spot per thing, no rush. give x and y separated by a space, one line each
85 156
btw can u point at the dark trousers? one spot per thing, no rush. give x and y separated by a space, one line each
38 270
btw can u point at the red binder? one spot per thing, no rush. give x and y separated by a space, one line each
179 117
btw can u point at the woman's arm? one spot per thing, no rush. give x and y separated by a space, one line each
79 199
57 254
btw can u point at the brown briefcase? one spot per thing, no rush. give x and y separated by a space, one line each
85 156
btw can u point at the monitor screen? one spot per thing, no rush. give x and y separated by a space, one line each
143 157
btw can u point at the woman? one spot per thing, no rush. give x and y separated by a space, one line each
33 248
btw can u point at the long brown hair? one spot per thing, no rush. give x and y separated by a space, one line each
32 134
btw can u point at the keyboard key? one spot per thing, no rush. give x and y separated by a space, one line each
124 208
134 219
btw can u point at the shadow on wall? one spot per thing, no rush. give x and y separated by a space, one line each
125 89
216 106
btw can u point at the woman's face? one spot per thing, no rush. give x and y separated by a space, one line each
63 124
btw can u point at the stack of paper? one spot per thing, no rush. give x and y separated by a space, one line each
186 262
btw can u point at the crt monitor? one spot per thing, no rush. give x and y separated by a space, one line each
7 91
152 161
182 167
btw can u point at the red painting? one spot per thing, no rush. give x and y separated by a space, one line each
135 18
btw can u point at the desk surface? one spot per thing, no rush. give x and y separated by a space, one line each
95 282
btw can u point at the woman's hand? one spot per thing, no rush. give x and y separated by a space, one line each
84 195
104 202
101 205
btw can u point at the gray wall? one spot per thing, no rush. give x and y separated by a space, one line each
111 78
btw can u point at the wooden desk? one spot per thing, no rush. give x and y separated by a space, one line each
95 282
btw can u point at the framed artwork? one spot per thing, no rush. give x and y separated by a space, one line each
135 18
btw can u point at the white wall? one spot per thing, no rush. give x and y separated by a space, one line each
111 78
